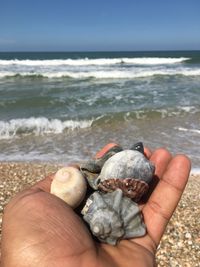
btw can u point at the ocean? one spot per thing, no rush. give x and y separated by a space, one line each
62 107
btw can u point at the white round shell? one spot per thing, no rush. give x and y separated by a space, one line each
69 185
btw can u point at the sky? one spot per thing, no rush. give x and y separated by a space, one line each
99 25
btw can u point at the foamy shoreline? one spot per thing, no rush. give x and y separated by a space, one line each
180 245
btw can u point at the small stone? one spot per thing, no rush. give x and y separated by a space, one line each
188 235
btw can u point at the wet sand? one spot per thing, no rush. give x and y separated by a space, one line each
180 245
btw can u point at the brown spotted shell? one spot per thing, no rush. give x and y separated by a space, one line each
128 170
131 188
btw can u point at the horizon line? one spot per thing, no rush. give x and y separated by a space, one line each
98 51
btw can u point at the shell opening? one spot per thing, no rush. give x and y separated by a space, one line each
97 181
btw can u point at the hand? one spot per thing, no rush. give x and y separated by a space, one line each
39 229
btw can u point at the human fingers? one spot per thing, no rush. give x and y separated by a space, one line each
160 158
147 152
166 196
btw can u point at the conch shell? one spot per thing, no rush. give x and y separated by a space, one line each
113 217
69 185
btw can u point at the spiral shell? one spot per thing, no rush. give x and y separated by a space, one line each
69 185
113 217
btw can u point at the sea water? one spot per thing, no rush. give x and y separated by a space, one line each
63 107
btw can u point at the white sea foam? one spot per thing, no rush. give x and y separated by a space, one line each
98 61
197 131
127 74
38 126
164 113
102 68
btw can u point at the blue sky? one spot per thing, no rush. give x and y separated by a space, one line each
83 25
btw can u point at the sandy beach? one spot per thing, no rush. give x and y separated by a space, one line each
180 245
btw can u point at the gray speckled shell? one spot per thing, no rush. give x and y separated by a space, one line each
127 164
113 217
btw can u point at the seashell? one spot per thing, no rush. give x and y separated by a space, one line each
90 171
128 163
120 169
113 217
92 168
69 185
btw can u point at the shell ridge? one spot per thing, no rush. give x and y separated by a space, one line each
99 201
138 232
117 200
127 219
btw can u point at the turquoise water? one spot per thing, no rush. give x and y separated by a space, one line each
64 106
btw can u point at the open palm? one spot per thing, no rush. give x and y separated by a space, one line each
41 230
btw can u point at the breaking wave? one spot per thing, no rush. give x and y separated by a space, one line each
38 126
98 61
100 68
112 74
43 126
